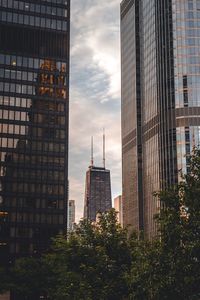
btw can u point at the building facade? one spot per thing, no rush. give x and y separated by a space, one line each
119 209
97 192
34 95
160 100
131 116
71 215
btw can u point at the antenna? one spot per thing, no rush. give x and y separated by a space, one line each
92 158
104 156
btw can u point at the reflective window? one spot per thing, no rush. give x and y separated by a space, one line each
33 121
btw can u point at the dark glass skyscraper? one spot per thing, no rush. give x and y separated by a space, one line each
34 95
160 100
97 192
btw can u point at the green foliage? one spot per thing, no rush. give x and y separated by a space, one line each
180 236
143 280
91 264
29 278
99 261
4 279
169 266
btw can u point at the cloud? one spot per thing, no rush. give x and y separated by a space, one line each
94 92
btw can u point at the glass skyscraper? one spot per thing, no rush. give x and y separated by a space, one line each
34 95
160 100
98 197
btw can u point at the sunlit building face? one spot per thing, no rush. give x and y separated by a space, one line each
160 100
34 92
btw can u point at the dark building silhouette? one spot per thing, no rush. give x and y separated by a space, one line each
98 197
34 94
97 192
160 100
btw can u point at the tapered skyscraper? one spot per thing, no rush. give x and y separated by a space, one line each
97 189
160 100
34 94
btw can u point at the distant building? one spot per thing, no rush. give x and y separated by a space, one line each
118 208
97 189
97 192
71 215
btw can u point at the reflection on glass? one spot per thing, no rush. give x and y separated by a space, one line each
32 143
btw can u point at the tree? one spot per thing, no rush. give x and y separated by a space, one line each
169 266
179 222
4 282
100 262
28 278
142 279
92 263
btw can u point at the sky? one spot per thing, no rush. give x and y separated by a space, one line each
94 93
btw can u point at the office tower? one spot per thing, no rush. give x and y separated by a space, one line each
34 94
119 209
97 192
97 188
71 215
160 100
131 116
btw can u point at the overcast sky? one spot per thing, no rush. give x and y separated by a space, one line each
94 93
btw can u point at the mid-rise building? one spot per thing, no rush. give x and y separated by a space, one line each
34 104
71 215
160 100
119 209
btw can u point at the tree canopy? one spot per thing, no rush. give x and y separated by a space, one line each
101 261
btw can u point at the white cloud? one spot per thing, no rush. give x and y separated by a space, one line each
95 91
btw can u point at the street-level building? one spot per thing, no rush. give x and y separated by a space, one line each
119 209
71 215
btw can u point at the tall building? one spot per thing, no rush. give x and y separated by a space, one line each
71 215
97 192
119 209
98 197
160 100
34 95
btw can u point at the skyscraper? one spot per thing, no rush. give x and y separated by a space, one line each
71 215
160 100
97 192
34 94
98 197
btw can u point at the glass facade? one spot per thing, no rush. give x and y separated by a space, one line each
34 84
130 98
186 24
169 77
98 197
150 108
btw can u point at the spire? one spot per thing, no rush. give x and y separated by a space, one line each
104 156
92 158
